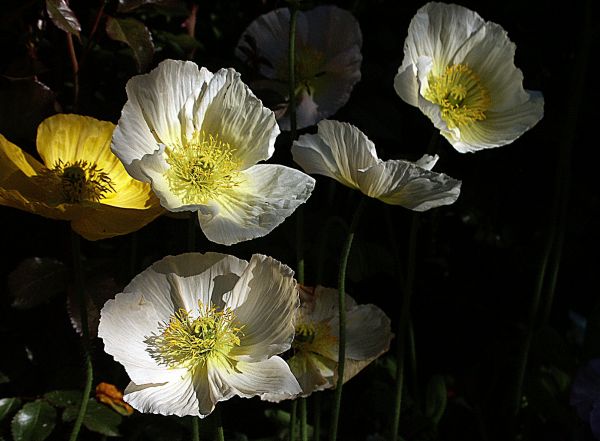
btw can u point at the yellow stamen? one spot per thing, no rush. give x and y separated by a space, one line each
201 169
188 341
460 95
77 182
312 337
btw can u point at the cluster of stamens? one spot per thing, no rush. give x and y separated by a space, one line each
201 169
459 93
188 341
76 182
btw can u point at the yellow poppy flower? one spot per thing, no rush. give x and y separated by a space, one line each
80 180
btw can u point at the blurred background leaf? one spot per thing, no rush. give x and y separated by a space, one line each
63 17
134 34
34 422
36 280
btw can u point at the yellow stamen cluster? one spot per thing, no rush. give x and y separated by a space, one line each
77 182
188 341
313 337
308 66
201 169
460 95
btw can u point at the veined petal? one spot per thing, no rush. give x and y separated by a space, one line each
259 378
140 314
176 397
267 195
339 151
368 332
264 301
70 138
499 128
240 119
398 182
151 116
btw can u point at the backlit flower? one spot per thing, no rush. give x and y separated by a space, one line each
315 347
196 137
196 329
344 153
328 59
460 71
80 180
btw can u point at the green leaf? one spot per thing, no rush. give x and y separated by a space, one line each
134 34
36 280
34 422
63 17
8 406
98 418
4 378
436 398
64 398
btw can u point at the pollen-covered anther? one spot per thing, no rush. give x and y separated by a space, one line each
201 169
459 93
78 181
189 340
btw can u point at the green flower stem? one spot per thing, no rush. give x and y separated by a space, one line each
303 424
292 70
317 412
403 322
87 355
335 415
292 428
195 428
219 422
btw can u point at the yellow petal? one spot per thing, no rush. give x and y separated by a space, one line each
71 138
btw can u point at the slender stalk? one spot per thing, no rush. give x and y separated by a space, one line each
412 359
75 69
219 422
317 411
403 321
292 428
292 70
303 418
87 356
195 428
335 415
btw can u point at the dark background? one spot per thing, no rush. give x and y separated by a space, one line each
478 260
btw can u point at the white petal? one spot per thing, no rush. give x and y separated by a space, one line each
368 332
264 302
427 161
406 84
240 119
138 315
259 378
499 128
339 150
268 195
307 113
152 113
177 397
324 305
403 183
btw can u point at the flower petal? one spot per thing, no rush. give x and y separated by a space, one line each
176 397
368 332
264 302
240 119
398 182
151 116
268 194
339 151
70 138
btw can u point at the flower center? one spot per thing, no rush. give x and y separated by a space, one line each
305 334
187 341
308 66
460 95
77 181
202 169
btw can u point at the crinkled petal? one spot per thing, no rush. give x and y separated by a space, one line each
264 301
339 151
176 397
267 195
238 118
151 116
249 379
398 182
368 332
499 128
126 322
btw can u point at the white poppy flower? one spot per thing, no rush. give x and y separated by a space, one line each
196 329
344 153
328 59
460 71
197 138
316 342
